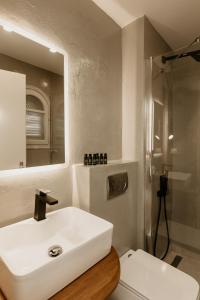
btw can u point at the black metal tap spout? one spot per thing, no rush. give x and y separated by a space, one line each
41 199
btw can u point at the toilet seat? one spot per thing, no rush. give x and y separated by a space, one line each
148 278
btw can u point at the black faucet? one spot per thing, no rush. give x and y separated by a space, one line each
41 199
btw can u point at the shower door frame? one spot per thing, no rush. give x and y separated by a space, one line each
148 142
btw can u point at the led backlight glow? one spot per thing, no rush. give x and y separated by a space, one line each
7 28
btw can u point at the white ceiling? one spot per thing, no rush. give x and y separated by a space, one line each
177 21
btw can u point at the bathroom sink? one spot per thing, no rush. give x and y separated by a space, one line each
37 259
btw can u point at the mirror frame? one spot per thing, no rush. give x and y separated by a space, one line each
50 46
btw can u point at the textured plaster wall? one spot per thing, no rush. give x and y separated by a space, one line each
93 43
132 111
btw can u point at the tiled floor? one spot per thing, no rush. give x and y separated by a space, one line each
190 263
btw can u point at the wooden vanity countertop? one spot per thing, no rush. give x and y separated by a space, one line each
97 283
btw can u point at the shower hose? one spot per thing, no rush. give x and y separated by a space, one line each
162 198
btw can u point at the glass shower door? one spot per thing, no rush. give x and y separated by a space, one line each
173 144
157 133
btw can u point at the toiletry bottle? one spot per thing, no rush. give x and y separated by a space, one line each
97 159
101 158
105 159
94 159
21 164
85 159
90 159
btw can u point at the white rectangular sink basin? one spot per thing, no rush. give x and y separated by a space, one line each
27 272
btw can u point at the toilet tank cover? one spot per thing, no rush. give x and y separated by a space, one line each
154 279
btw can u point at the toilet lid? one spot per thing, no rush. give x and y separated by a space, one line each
154 279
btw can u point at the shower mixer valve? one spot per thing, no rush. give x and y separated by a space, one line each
162 193
163 186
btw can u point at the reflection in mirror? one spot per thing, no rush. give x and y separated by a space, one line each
158 111
31 103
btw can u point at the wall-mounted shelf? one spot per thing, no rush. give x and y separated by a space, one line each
110 163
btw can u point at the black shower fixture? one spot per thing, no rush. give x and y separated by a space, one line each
194 54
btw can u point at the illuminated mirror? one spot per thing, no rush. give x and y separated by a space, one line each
31 103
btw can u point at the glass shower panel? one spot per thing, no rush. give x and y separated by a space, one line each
158 107
184 152
174 106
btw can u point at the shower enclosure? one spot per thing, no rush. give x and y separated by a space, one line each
173 146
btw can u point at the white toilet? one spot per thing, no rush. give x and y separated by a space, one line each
144 277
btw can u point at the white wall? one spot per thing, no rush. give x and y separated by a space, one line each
132 86
132 112
17 192
90 193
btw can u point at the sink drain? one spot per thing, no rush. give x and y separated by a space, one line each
55 251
